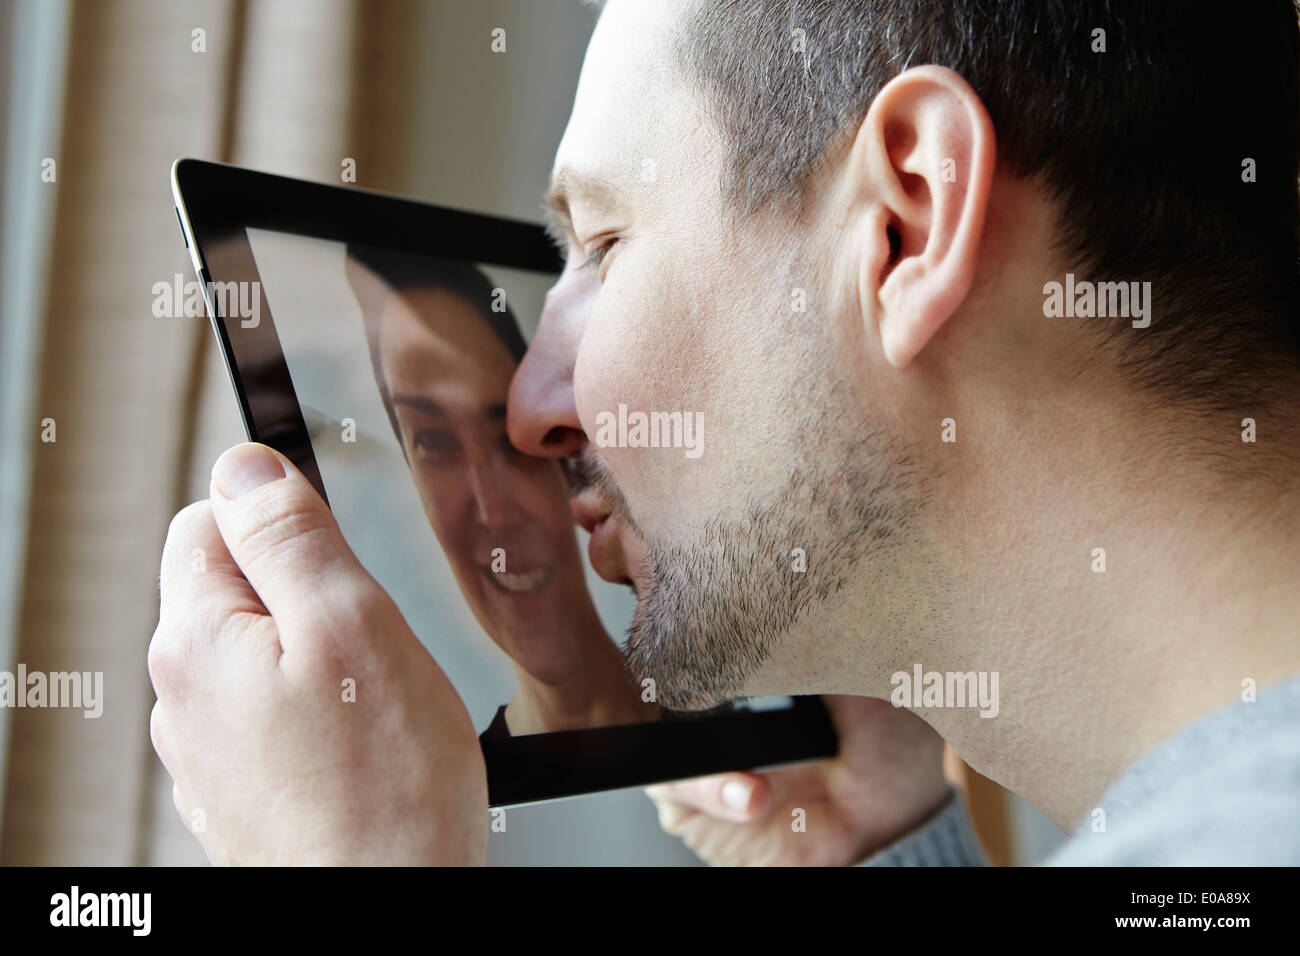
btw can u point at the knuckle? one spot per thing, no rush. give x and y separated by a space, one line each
188 526
157 735
161 661
285 532
342 620
177 639
233 626
186 522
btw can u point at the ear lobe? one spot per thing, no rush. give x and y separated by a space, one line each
928 153
916 302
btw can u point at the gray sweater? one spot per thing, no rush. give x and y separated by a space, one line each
1223 791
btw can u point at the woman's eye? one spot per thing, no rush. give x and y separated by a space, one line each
431 443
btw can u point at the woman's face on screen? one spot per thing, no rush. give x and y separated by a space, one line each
502 517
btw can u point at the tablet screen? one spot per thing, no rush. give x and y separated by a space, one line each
401 363
372 341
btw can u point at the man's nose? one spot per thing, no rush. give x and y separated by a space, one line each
542 417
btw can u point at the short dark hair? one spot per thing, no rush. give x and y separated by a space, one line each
1142 146
408 271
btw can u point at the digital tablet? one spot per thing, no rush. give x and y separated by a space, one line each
371 340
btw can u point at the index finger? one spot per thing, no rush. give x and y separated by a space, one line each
197 568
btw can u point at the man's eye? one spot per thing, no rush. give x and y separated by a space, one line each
597 255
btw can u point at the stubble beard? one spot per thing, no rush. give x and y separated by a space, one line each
715 606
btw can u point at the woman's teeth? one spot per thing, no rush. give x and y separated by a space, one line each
521 582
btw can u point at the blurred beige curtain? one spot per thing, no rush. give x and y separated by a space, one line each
141 404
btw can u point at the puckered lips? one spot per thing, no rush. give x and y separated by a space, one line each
605 549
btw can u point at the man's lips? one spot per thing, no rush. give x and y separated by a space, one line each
616 553
606 552
605 549
588 513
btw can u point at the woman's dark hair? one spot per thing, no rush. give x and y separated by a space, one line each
409 271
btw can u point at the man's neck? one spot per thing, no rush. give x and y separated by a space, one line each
1120 579
1118 605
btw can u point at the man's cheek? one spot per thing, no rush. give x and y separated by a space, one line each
609 386
631 348
607 372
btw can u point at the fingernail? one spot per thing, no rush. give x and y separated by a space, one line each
244 468
736 794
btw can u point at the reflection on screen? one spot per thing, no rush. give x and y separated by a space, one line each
402 365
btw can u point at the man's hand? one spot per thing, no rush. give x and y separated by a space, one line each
887 778
301 720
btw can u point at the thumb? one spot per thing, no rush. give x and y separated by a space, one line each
281 534
739 797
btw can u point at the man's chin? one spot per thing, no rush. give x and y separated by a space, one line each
691 701
676 663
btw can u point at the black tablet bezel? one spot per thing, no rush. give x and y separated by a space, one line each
215 204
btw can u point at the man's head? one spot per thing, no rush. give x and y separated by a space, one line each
443 359
828 227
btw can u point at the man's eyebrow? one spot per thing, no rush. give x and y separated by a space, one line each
558 225
568 185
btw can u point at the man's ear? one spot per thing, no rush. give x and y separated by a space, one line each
924 159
